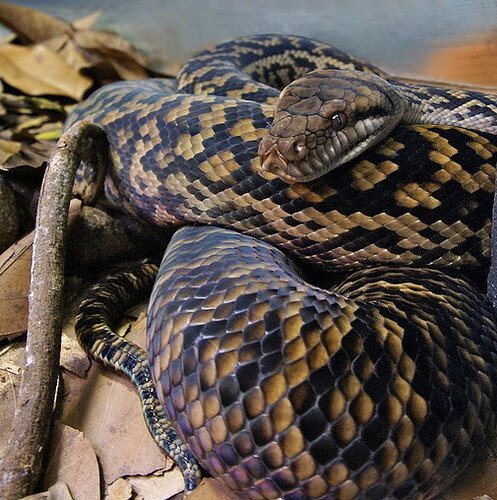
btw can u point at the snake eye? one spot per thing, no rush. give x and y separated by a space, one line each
339 121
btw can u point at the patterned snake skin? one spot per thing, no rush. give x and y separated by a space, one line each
383 386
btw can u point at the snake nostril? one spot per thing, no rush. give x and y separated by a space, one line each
293 149
298 147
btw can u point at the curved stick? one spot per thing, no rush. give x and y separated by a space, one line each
21 465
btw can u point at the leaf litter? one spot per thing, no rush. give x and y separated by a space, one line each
100 446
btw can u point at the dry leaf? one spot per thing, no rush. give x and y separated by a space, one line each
73 357
15 265
36 70
66 48
31 25
120 489
32 154
58 491
71 459
157 486
114 50
11 357
25 104
87 22
8 149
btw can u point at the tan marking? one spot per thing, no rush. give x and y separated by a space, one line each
336 405
296 372
369 476
294 350
245 129
404 433
388 456
412 194
304 466
389 147
235 418
417 407
292 442
362 408
397 475
367 174
401 387
217 429
196 414
337 473
273 387
282 415
231 342
318 357
205 439
253 402
348 491
350 386
211 405
274 455
208 374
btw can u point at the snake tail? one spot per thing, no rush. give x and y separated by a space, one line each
103 307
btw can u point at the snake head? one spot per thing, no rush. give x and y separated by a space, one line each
325 119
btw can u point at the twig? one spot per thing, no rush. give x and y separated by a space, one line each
492 275
21 465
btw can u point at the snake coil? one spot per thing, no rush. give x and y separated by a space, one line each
382 386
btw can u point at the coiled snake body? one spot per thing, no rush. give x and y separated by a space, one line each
383 386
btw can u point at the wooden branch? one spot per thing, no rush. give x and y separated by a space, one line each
492 275
21 465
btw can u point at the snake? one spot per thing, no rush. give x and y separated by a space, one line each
282 155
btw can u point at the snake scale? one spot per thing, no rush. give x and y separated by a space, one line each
381 386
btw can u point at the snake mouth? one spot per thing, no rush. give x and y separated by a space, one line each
274 162
306 170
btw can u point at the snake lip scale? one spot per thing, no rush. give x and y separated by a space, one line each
277 150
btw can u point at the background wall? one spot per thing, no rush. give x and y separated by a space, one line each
399 35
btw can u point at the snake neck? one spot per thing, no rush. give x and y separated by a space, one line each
455 107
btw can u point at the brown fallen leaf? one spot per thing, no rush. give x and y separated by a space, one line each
73 357
32 153
58 491
157 486
114 50
26 68
102 55
31 25
8 149
85 23
15 265
11 361
120 489
65 47
71 460
25 104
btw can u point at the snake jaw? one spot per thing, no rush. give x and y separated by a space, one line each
284 157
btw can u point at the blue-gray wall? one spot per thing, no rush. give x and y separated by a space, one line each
394 33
